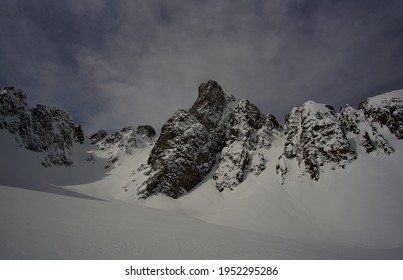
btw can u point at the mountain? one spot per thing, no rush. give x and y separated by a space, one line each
44 129
51 132
190 141
218 135
123 142
231 137
315 138
325 185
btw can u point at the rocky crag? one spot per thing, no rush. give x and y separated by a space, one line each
217 129
219 136
124 142
317 137
228 137
45 129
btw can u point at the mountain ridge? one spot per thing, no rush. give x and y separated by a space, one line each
217 135
256 183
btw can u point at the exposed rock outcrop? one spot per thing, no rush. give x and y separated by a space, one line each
181 157
98 136
226 138
364 133
123 142
247 130
216 126
387 110
314 137
45 129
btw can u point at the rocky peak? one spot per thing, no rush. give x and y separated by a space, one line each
45 129
123 142
146 130
210 92
363 133
185 151
387 110
16 99
210 104
314 137
215 126
98 136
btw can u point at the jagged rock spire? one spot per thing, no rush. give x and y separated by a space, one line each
215 126
209 105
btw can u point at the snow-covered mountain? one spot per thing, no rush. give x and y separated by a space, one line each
123 143
314 137
326 185
216 125
45 129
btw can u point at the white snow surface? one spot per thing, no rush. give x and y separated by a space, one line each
40 225
385 98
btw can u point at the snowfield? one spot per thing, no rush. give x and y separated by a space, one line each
39 225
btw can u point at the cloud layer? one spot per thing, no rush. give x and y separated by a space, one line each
117 63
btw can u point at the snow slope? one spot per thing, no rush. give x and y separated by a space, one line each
259 220
38 225
359 207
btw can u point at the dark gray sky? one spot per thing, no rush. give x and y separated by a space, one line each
127 62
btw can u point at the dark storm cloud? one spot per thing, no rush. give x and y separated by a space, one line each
115 63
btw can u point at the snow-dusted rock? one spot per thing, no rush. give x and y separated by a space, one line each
215 126
13 109
98 136
386 109
314 137
247 131
45 129
364 133
123 142
231 170
213 109
181 157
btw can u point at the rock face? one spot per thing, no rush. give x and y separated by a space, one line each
216 126
228 137
45 129
181 157
123 142
247 130
98 136
387 110
314 137
363 132
317 137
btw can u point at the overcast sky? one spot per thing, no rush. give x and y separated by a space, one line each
127 62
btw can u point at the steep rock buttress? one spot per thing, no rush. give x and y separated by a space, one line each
216 127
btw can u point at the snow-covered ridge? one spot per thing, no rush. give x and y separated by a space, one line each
353 209
362 133
219 136
44 129
387 110
315 139
123 143
319 138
